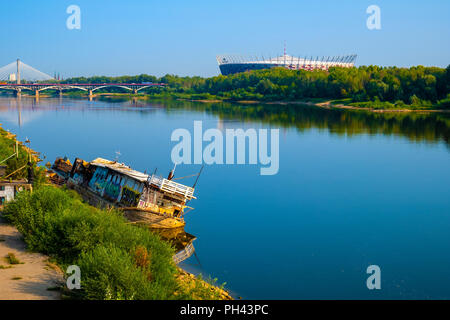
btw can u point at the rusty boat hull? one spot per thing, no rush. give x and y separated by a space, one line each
153 220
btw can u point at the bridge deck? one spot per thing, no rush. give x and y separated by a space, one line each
135 87
80 84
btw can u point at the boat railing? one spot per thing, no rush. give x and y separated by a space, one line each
172 187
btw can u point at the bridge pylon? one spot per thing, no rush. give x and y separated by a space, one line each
18 71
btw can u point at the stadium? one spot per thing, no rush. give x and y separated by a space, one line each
229 64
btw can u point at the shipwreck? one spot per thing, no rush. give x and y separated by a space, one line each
157 202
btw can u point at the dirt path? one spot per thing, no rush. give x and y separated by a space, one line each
32 277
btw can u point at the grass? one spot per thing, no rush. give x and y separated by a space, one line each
12 259
4 267
7 147
205 287
118 261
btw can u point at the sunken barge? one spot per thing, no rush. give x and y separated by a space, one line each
153 200
150 200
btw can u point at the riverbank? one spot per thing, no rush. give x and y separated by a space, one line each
118 260
327 104
321 103
36 277
32 276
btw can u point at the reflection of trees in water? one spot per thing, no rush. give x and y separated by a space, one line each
431 127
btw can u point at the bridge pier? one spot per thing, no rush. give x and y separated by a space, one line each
18 92
91 95
135 91
36 94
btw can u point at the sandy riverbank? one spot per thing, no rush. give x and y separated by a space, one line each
29 280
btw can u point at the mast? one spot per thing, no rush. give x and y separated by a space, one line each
198 176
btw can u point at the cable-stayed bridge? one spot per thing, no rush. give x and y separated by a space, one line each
12 75
17 71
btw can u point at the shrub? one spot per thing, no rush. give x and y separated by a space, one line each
110 251
12 259
117 260
111 273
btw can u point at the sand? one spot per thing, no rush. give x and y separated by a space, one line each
36 273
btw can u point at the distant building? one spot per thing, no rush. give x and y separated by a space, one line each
231 64
9 189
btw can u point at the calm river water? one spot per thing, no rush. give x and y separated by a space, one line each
353 189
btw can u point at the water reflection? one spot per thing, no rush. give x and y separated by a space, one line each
178 238
429 127
417 127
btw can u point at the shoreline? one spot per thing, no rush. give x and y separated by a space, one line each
9 234
327 104
324 105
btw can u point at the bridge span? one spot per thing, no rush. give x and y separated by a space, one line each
37 81
88 87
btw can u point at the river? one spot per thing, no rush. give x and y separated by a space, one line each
353 189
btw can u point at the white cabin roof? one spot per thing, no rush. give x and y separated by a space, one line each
161 183
120 168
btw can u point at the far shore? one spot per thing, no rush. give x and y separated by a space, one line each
327 104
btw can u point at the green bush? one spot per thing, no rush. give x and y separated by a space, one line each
12 259
56 222
111 273
444 103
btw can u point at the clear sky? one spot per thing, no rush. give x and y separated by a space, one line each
183 37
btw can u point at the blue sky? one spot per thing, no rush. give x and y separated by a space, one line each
183 37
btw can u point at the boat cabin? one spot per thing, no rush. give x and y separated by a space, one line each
126 187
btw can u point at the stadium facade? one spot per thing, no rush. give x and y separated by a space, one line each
229 64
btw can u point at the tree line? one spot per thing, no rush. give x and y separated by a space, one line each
417 86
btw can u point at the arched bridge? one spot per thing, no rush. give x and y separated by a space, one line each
88 87
12 74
